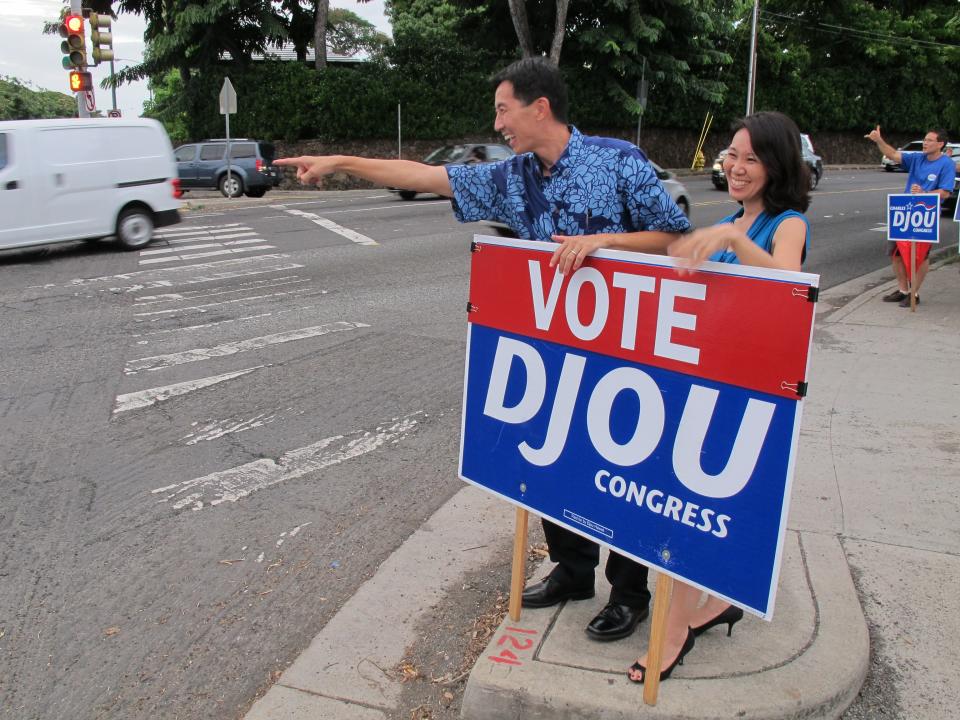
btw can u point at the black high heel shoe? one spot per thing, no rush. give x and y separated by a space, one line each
678 660
731 616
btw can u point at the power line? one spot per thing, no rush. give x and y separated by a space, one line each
855 32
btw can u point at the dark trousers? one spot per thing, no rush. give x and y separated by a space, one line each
577 557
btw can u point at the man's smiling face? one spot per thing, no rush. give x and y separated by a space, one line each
517 122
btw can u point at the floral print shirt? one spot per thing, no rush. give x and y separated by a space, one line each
597 185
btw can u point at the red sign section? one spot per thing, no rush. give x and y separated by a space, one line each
650 314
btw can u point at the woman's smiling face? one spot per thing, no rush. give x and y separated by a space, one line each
746 176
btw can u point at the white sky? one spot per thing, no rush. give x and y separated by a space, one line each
32 57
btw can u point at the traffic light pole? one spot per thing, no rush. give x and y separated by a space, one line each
77 9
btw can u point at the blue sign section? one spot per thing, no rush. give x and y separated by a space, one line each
679 472
913 217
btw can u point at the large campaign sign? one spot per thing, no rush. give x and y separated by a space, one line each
652 411
914 218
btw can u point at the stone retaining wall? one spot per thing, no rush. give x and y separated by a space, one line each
668 147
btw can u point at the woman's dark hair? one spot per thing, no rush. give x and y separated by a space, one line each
533 78
775 139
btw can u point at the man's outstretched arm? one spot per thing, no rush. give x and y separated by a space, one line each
404 174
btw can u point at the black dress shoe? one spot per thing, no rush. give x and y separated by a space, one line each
616 621
549 592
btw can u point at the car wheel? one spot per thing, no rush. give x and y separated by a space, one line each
684 205
719 185
408 194
232 186
814 180
134 227
257 193
888 168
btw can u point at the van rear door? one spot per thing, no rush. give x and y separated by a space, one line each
17 205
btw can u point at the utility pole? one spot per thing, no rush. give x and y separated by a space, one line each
752 72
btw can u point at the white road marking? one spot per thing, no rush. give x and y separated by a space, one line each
212 253
238 482
201 246
212 292
202 308
188 328
159 362
197 229
166 251
214 429
882 227
333 227
144 398
164 282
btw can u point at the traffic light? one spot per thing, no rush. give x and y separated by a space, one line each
101 39
80 81
74 47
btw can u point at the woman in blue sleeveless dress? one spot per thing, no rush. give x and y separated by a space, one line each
767 176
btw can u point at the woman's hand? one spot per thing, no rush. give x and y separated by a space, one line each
696 247
573 249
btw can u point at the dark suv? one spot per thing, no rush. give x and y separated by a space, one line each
204 165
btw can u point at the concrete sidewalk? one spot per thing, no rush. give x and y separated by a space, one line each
874 501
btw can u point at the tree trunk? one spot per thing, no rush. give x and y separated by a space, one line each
559 30
320 34
518 12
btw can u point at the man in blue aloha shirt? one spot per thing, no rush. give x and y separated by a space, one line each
582 192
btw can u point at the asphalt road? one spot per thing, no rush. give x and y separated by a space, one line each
208 445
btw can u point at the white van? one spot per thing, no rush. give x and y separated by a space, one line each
74 179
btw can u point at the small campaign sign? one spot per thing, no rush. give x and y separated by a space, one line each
913 218
113 113
653 412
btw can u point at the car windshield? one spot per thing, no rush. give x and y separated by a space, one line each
807 143
446 154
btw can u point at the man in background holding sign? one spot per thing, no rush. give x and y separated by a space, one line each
584 193
930 171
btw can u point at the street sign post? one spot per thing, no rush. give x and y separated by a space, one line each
228 106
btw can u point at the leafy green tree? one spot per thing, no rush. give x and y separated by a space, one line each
850 64
18 101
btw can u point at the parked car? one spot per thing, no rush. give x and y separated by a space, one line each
813 161
204 165
85 179
949 204
676 188
460 154
891 166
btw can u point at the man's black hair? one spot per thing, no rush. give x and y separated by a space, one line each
534 78
775 139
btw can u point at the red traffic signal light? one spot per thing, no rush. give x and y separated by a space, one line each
74 48
81 81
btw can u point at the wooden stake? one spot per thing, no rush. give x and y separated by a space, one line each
518 574
658 632
913 276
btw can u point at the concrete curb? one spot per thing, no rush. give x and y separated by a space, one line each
815 673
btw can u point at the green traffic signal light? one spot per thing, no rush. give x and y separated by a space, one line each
101 38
